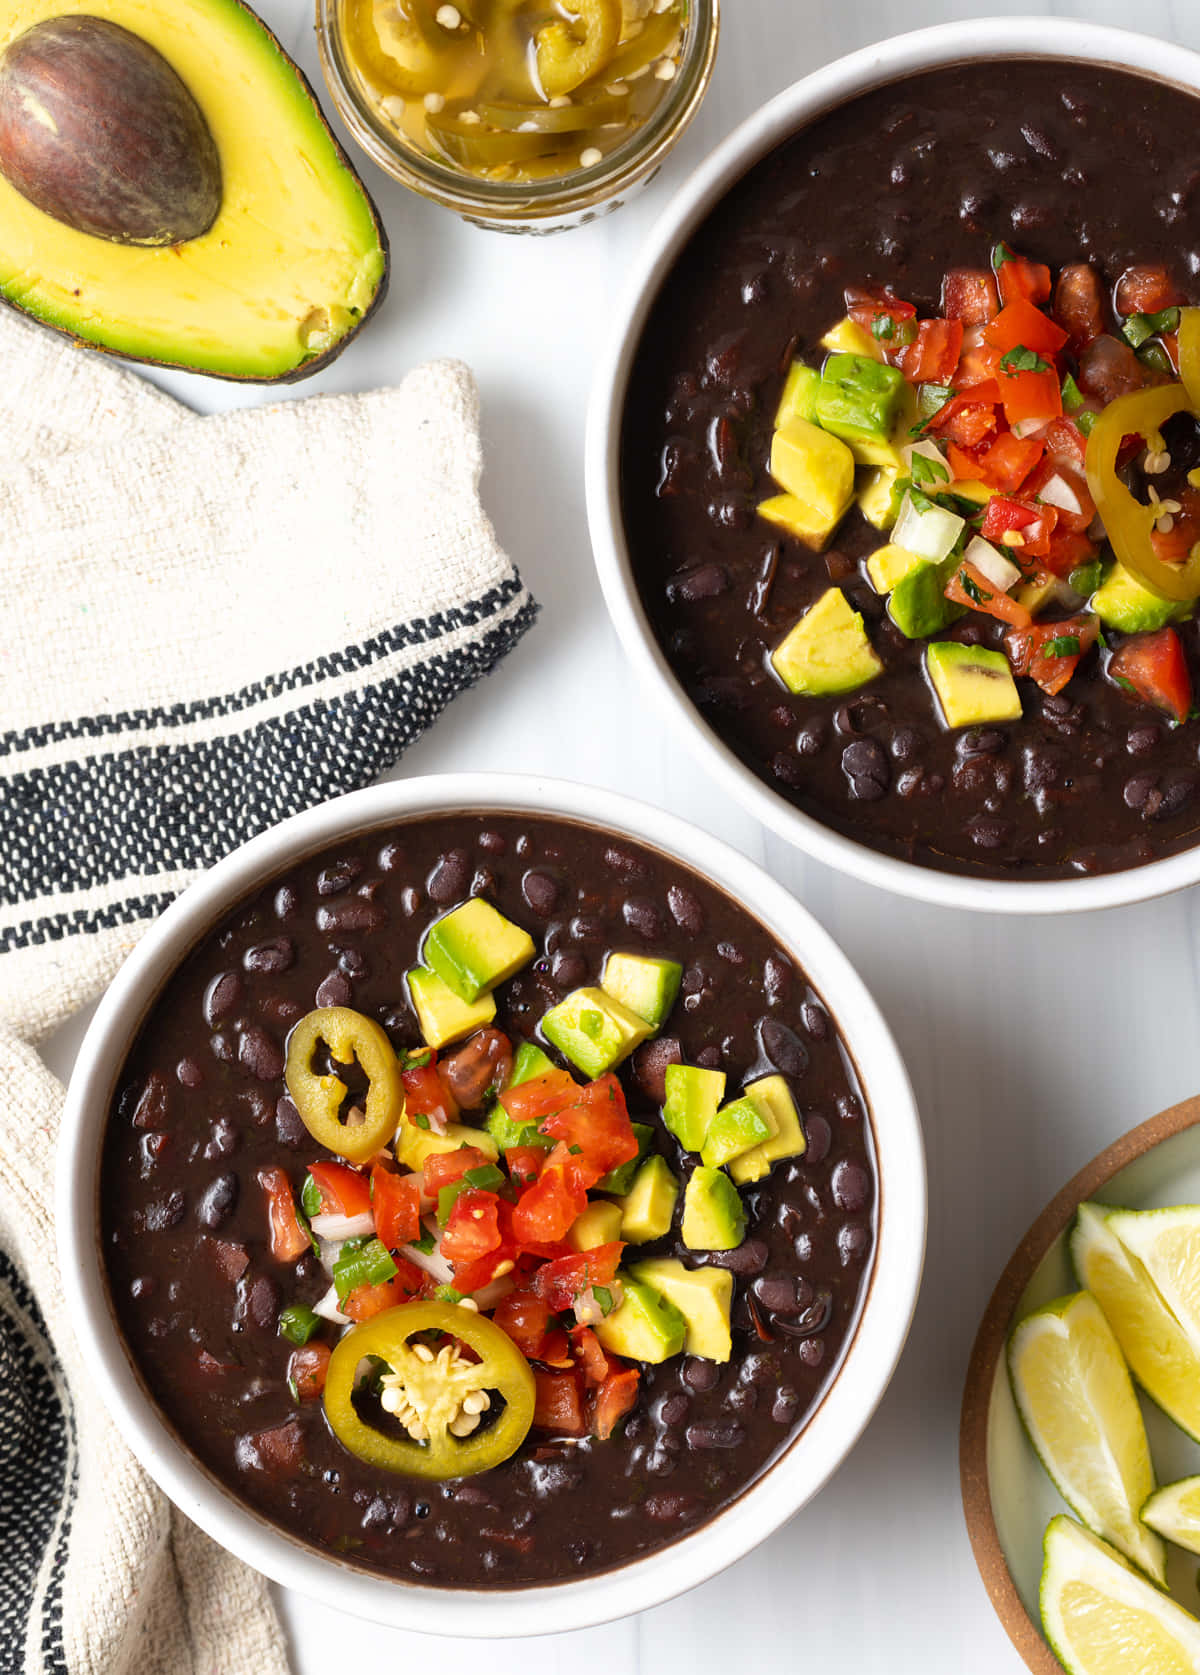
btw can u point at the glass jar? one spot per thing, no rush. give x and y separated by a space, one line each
571 199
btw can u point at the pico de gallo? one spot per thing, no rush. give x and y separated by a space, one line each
1032 456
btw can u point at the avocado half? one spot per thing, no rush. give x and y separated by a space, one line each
296 259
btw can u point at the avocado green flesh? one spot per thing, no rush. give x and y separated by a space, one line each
295 260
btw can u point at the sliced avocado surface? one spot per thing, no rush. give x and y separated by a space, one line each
810 527
828 649
594 1030
296 258
771 1093
644 1326
703 1296
600 1224
1122 602
649 1205
620 1179
416 1145
714 1217
474 948
443 1015
918 604
694 1095
645 985
973 684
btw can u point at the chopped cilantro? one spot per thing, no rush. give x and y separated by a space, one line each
424 1244
1085 421
921 502
1072 395
1063 645
1021 359
575 1151
416 1060
926 471
972 589
421 1120
1127 684
1001 254
604 1297
883 326
310 1197
447 1294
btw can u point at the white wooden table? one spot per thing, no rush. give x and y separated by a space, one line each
1031 1044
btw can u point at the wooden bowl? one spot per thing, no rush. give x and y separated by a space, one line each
1007 1497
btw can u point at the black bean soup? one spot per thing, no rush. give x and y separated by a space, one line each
180 1176
1068 164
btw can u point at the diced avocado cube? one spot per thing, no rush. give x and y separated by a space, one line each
799 398
973 684
849 338
620 1179
714 1217
1046 590
788 1139
1123 603
735 1129
828 649
474 948
600 1224
643 1326
529 1061
918 604
878 498
888 452
507 1133
593 1030
812 529
648 987
968 488
814 466
859 399
648 1206
415 1145
703 1296
442 1015
889 565
693 1098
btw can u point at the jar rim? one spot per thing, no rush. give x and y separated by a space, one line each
523 201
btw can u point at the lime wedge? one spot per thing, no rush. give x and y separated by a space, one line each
1102 1618
1167 1244
1075 1396
1174 1511
1158 1350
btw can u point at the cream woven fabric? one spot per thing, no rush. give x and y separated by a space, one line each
213 622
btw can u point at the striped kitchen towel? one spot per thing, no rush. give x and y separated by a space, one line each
210 624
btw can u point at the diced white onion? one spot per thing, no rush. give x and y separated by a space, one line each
328 1309
587 1308
330 1250
1028 427
343 1227
930 534
1058 492
990 562
433 1262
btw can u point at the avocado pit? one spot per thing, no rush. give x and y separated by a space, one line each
100 132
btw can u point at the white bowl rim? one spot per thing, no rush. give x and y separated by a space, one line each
814 94
868 1360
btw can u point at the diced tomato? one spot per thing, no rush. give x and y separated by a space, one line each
444 1168
1072 478
344 1192
970 295
1018 278
865 307
591 1356
546 1210
1007 461
963 462
1034 651
971 424
932 359
368 1300
1003 516
1030 399
541 1097
524 1164
306 1370
396 1201
278 1451
1079 304
526 1319
1146 289
1019 325
1176 544
473 1228
1064 441
613 1401
596 1130
970 587
561 1282
1154 668
427 1095
231 1259
558 1404
1065 550
288 1239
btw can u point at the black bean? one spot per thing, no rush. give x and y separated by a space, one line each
815 1020
713 1433
585 927
167 1212
289 1126
276 955
685 909
335 989
1137 788
980 741
259 1302
553 1477
743 1398
351 914
1176 795
851 1186
391 857
866 768
987 832
631 867
650 1066
449 879
222 996
777 978
750 1257
812 738
287 901
217 1201
339 876
258 1108
849 1108
709 1058
260 1054
783 1047
853 1242
353 963
279 1010
819 1136
223 1138
540 892
675 1508
776 1292
905 743
643 917
786 1405
188 1073
673 1410
811 1351
698 1374
787 768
